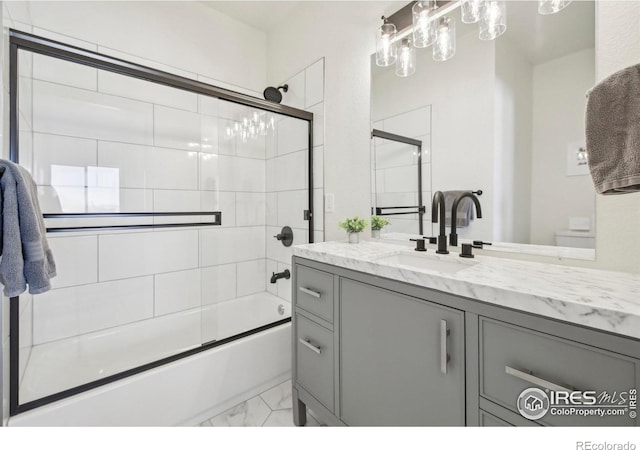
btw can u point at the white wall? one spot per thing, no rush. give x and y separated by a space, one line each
512 152
342 33
185 35
559 88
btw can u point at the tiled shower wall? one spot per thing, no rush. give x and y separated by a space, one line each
395 174
286 181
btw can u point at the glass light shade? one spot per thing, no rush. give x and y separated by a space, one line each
493 19
386 45
406 63
444 46
470 10
423 31
546 7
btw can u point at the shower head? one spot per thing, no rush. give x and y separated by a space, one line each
273 94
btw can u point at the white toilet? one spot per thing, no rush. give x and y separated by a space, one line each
577 239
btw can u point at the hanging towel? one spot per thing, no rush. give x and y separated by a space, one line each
26 256
613 132
465 212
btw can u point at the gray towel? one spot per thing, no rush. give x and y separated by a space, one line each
613 132
26 257
465 212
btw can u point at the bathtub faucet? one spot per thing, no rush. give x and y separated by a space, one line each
276 276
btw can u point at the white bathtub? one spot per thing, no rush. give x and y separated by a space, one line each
183 392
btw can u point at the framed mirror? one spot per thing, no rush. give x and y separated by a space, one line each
504 116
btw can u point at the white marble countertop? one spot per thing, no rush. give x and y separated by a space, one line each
600 299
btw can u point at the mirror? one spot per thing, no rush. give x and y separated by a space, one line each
503 116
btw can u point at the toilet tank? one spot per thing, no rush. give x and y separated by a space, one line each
577 239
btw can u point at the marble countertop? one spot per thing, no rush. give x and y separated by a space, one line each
600 299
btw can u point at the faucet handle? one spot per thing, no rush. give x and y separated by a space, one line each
479 244
431 239
419 244
467 251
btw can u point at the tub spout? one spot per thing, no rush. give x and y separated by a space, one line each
276 276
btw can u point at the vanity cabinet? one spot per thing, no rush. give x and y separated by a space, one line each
401 359
371 351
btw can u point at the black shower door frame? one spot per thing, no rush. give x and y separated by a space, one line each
19 40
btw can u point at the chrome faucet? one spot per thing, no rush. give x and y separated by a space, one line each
437 204
453 237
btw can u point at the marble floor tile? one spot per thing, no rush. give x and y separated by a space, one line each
278 397
284 418
251 413
206 423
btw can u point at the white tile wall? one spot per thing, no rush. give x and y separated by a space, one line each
51 150
137 254
401 179
271 267
176 291
228 245
76 260
284 286
172 201
293 135
129 87
250 209
251 277
77 310
411 124
318 123
70 111
314 84
271 205
59 71
294 96
218 283
208 105
174 128
291 206
239 174
318 166
208 134
288 172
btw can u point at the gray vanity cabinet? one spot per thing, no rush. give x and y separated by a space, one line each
401 359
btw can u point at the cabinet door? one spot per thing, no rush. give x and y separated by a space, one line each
391 367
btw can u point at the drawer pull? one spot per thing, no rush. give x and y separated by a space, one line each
444 348
309 292
530 378
310 346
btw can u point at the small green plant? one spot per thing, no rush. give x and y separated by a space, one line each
353 225
378 223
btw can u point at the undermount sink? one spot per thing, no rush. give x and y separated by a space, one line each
426 262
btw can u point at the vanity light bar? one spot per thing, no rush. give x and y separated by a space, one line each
403 20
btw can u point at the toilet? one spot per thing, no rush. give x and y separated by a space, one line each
577 239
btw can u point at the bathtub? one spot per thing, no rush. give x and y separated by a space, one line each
183 392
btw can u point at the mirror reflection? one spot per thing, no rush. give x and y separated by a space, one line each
504 116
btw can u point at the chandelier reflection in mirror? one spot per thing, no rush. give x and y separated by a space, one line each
432 25
258 123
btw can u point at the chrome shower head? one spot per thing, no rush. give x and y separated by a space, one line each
273 94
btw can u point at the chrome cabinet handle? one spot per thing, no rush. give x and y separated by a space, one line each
310 346
309 292
444 347
530 378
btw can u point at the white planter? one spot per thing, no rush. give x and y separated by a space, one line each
354 238
375 234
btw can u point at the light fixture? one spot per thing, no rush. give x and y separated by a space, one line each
423 31
406 62
386 44
546 7
444 46
470 10
493 19
257 124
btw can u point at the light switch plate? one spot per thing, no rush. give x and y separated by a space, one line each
329 203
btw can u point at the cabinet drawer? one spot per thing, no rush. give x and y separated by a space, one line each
314 292
489 420
513 359
314 360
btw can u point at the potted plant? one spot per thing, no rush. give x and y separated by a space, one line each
353 227
377 224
